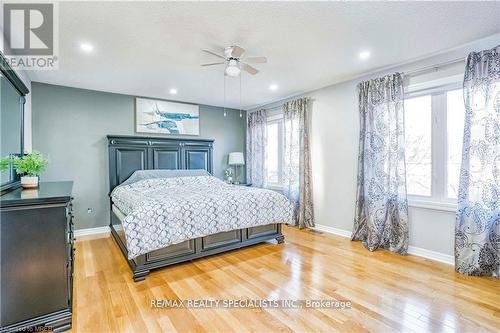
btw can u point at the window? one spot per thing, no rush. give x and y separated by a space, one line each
274 150
418 145
434 125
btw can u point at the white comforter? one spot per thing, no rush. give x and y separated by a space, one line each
166 211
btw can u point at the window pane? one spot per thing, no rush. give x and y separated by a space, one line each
418 151
455 130
272 153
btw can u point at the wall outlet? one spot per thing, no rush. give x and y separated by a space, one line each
89 210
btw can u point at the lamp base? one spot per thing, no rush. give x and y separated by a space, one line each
236 181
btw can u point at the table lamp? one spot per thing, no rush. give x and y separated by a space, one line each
236 159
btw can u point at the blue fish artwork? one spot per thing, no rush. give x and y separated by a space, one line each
171 126
167 117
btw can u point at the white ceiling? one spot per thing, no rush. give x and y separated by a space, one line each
146 48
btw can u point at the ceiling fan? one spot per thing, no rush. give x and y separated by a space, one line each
235 62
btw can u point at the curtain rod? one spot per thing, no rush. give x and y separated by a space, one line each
279 106
434 67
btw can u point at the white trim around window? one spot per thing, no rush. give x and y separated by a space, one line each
416 202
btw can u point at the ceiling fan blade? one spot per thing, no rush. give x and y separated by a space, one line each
256 60
237 51
215 54
249 69
213 63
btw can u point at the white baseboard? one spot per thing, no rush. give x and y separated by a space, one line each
416 251
433 255
332 230
92 231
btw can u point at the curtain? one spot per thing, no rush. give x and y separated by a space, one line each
381 214
297 182
256 148
477 229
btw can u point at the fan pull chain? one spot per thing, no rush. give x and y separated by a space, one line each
225 112
241 112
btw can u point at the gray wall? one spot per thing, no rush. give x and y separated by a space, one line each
70 127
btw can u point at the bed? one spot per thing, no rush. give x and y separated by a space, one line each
166 208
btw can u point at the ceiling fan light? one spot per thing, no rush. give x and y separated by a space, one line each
233 68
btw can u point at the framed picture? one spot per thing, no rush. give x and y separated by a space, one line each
162 117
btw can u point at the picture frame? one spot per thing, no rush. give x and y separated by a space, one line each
155 116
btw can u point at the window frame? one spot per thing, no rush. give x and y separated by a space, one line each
438 200
277 119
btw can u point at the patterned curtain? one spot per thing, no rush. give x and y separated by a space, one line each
477 230
297 182
381 217
256 148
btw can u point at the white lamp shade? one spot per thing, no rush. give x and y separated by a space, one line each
236 159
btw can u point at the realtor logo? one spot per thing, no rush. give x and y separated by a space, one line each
29 35
29 29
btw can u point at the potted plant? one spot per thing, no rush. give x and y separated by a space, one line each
30 166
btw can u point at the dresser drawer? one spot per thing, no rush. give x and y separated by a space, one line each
36 248
34 252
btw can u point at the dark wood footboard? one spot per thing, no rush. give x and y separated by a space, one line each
193 248
130 153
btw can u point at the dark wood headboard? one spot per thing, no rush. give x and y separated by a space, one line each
130 153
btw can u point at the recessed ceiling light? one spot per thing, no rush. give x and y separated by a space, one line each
273 86
87 47
173 91
364 55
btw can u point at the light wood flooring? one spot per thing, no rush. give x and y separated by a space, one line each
389 293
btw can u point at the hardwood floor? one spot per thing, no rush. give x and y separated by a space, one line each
389 293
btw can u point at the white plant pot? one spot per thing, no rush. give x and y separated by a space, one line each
29 181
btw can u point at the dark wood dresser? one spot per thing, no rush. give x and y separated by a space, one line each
36 243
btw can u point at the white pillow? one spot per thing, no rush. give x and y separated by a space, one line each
163 173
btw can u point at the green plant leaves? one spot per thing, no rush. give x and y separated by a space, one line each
32 164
